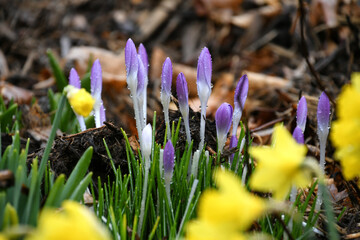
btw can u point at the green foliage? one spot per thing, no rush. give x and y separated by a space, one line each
7 114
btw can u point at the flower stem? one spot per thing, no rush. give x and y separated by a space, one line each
143 200
202 126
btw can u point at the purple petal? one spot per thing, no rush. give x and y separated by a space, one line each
301 114
141 75
182 90
298 135
74 79
223 117
166 77
233 143
131 61
323 113
96 79
204 68
144 58
102 114
169 157
241 92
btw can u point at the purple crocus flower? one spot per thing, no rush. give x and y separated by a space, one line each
182 93
301 114
241 92
298 135
74 80
223 118
166 79
144 57
131 63
203 82
141 91
169 158
323 113
204 71
96 88
102 114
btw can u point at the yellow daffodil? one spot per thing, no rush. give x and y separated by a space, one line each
80 100
280 166
73 222
227 212
345 134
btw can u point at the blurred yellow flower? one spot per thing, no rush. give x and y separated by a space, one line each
74 221
280 166
345 134
227 212
80 100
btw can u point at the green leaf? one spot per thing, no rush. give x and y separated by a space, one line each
80 189
54 200
60 78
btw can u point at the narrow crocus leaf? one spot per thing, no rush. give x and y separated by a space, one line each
144 57
298 135
131 63
323 113
223 117
96 80
141 74
241 92
169 158
166 78
301 114
182 92
146 140
74 79
204 71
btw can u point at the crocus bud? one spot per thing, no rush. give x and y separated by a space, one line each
298 135
223 118
169 158
182 94
96 81
240 96
146 141
144 58
323 114
301 114
204 71
166 79
74 79
131 63
141 77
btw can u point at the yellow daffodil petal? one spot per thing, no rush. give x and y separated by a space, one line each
279 166
73 222
200 230
345 134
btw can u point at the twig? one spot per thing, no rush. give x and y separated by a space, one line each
305 53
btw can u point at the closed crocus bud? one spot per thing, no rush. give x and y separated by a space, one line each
144 58
141 78
223 117
298 135
166 79
323 114
169 158
96 88
240 96
146 141
102 114
74 79
301 114
131 63
204 71
182 94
